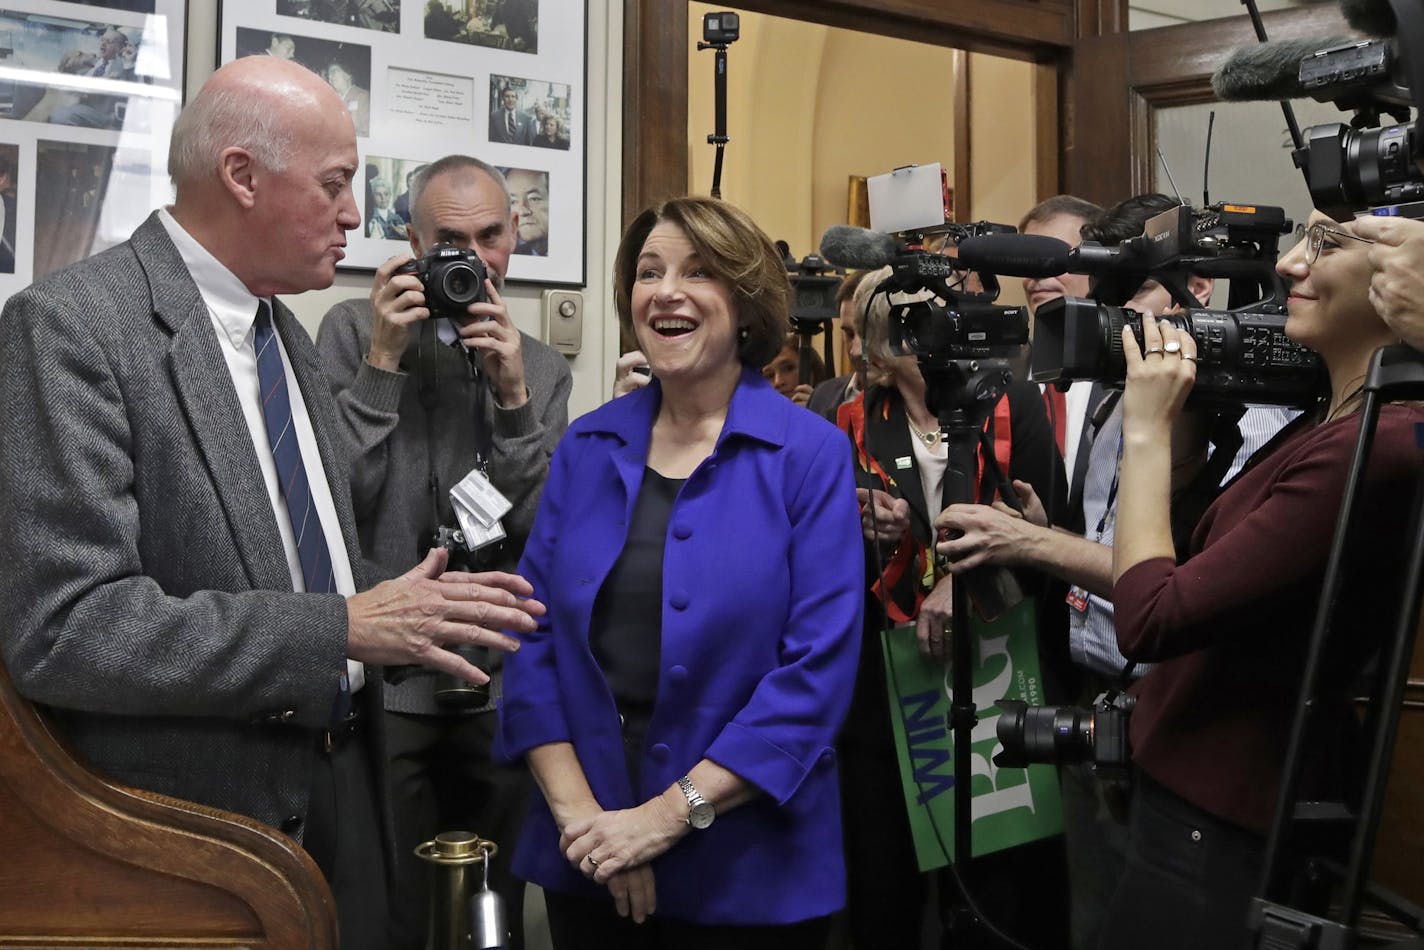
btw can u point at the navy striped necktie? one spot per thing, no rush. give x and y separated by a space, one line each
291 473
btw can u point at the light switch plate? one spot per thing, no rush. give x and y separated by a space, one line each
563 320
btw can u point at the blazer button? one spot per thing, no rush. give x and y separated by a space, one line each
679 600
826 761
677 674
291 825
659 752
682 531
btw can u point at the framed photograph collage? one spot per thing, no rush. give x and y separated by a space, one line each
502 80
88 95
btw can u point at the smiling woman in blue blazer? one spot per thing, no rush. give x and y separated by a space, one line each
698 547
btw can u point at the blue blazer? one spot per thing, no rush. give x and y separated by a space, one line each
763 585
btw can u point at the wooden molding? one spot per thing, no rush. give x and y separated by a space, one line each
93 864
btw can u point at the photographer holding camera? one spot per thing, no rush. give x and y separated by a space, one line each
427 391
1227 626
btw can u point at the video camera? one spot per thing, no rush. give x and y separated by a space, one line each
814 283
1364 166
953 322
1244 356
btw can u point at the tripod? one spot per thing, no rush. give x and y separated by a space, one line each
1396 372
962 395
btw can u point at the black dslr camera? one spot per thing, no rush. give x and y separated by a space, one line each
453 279
1067 734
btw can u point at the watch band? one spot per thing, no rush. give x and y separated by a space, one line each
700 812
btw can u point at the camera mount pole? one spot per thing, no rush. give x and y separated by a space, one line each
719 87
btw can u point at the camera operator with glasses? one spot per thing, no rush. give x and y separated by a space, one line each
1095 819
1228 625
423 402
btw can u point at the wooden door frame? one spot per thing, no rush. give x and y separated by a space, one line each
1122 79
655 153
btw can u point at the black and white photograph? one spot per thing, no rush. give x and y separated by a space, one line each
530 112
383 15
388 182
415 97
529 198
497 24
9 188
133 6
345 66
87 74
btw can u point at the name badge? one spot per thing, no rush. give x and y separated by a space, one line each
904 462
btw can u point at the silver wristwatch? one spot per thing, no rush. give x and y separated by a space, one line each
699 810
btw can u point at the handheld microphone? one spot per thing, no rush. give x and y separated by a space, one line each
847 246
1375 17
1016 255
1268 71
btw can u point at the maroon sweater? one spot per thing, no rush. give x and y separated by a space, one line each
1230 626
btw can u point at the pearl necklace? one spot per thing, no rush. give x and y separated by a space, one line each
930 438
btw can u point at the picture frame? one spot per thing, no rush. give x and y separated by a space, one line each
428 78
89 91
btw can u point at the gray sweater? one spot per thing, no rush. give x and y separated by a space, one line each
396 444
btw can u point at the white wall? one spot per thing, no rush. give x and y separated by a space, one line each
593 367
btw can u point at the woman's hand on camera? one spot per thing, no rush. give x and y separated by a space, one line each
1159 377
883 518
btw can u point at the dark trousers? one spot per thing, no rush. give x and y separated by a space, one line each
1189 878
343 837
582 923
442 779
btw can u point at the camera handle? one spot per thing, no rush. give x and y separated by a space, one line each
1396 372
719 92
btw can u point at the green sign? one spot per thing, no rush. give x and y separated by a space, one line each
1010 806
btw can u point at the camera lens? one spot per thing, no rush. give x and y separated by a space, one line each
460 284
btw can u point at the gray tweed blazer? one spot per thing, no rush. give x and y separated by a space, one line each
144 593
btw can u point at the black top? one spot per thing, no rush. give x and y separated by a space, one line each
626 632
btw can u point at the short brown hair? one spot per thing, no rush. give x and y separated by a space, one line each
735 250
1050 208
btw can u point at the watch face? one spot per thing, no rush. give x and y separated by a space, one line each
701 815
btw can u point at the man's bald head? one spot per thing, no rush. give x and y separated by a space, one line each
258 103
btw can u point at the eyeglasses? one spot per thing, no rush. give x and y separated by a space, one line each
1315 238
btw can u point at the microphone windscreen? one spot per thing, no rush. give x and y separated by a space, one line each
1267 71
1015 255
1374 17
847 246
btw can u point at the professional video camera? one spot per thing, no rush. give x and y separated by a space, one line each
964 342
1365 165
453 279
814 283
1244 356
1067 734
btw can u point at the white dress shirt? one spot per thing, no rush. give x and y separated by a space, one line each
233 310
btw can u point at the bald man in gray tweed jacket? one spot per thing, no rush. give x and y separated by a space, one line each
154 594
